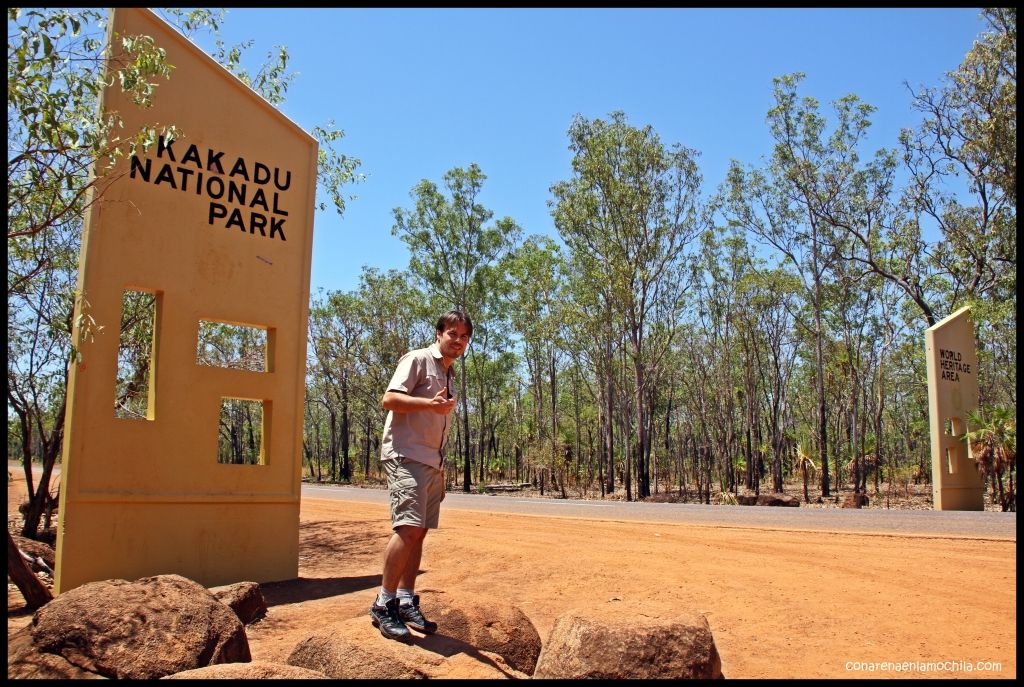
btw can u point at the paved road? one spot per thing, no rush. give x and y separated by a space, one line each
971 524
976 525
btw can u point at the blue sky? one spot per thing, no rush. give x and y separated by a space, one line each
420 91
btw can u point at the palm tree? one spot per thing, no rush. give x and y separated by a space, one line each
806 467
993 444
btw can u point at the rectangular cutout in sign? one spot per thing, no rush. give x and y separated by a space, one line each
234 346
240 436
134 389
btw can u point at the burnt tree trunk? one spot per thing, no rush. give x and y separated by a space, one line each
35 592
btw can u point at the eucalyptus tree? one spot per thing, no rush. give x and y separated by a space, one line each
670 404
697 354
771 296
983 91
585 412
55 132
59 141
313 421
907 410
335 339
785 205
853 299
722 263
537 275
456 256
634 206
486 364
589 339
393 317
969 131
39 318
887 326
963 163
495 387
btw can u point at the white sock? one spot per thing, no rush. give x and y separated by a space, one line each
404 597
384 596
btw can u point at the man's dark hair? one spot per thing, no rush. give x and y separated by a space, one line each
451 317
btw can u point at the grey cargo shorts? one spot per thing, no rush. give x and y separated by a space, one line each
417 491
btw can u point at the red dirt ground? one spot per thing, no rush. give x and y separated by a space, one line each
781 603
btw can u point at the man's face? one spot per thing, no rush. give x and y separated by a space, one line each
453 340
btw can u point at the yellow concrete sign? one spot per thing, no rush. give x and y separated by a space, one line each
189 461
953 391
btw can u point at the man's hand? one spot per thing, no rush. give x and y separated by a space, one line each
442 405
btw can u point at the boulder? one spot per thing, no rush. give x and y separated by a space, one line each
486 623
354 648
620 641
244 598
257 670
24 662
768 500
146 629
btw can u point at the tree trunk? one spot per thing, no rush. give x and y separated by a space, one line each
467 467
35 592
346 466
642 476
628 477
819 359
556 460
609 438
576 419
369 447
40 498
334 444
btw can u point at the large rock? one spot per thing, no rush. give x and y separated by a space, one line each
622 641
354 648
146 629
257 670
486 623
244 598
768 500
24 662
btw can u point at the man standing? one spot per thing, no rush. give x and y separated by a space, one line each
419 402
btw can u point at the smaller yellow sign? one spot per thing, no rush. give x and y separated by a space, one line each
952 392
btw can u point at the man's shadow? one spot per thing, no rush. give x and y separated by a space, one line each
449 646
309 588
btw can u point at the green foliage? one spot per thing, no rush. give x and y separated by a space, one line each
992 441
992 437
982 95
335 170
453 251
56 131
969 133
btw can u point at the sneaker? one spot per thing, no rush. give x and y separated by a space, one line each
413 617
387 618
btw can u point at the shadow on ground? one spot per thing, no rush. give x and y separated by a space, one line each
309 588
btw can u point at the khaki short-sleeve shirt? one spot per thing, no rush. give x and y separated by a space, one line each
419 436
